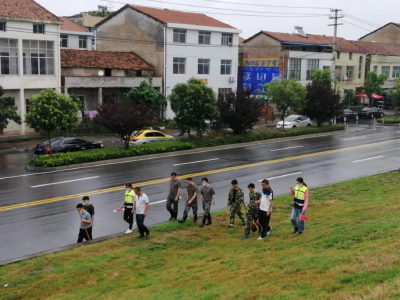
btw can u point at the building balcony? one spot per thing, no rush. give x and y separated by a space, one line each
107 82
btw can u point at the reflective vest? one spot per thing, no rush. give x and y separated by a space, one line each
299 196
129 196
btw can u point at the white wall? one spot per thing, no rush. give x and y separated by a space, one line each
24 84
192 51
325 59
73 39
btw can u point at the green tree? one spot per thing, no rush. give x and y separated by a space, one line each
52 112
395 94
285 94
147 95
322 77
373 84
193 103
8 110
239 110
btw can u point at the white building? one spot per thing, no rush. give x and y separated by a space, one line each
75 36
30 54
178 44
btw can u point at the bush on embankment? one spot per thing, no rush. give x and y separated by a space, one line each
389 121
63 159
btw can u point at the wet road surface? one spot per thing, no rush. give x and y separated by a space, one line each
37 210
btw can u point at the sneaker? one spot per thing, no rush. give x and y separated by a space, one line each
140 237
300 232
245 237
128 231
181 221
174 219
147 236
269 232
230 225
259 239
295 230
170 219
201 225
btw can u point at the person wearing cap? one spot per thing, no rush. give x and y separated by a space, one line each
235 201
85 229
264 214
128 205
191 202
88 207
207 196
300 205
173 197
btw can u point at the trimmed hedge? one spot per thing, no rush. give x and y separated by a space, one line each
226 139
63 159
389 121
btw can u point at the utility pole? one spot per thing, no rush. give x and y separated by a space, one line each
334 44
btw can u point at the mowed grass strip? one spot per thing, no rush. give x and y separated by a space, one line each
350 250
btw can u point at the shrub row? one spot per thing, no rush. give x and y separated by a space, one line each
63 159
389 121
227 139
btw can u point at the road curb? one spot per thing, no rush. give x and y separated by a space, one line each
182 152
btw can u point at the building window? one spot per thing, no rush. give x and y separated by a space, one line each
8 57
376 69
38 57
338 55
224 91
82 42
179 36
28 105
326 67
360 67
38 28
226 66
205 37
295 68
396 72
386 70
312 66
349 72
179 65
64 41
204 66
338 72
350 56
2 26
227 39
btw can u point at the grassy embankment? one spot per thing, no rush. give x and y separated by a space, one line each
350 250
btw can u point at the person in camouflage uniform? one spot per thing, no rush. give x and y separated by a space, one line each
252 210
235 201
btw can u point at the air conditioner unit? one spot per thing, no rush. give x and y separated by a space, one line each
232 79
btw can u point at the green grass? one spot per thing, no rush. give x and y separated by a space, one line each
350 250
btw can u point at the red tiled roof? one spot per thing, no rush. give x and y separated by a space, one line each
25 9
378 48
173 16
296 38
71 25
103 60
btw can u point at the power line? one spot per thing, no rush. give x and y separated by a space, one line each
265 5
361 20
225 9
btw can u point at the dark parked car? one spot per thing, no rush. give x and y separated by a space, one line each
346 113
68 144
371 112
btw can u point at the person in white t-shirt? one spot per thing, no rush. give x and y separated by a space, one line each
264 214
141 206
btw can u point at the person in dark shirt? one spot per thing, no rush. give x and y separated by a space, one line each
88 207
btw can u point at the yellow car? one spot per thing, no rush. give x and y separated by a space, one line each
149 136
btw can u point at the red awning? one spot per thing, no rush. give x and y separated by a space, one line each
361 95
375 96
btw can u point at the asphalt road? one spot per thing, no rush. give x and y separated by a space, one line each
37 210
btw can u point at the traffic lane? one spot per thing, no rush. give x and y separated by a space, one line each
46 227
145 173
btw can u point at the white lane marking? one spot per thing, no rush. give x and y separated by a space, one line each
195 162
161 201
286 148
356 138
367 159
398 132
87 178
282 176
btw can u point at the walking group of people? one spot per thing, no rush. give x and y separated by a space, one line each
258 209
